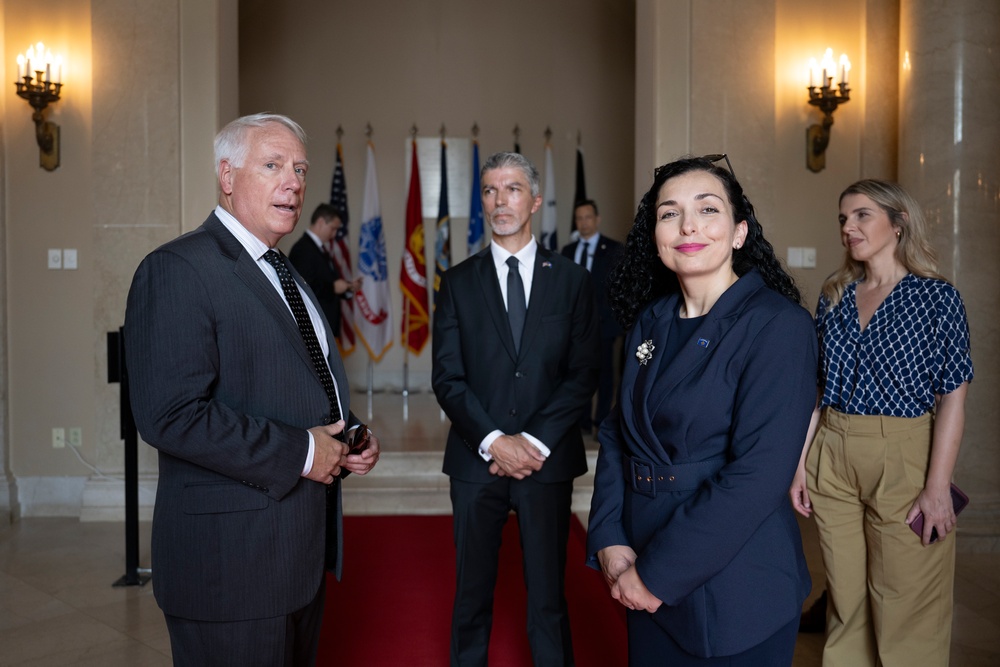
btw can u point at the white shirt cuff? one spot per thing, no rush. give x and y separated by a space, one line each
539 445
307 468
484 446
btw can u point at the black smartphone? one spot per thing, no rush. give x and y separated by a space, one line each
359 442
958 499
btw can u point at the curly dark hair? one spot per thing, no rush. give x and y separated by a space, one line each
640 276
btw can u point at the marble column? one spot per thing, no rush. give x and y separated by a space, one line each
949 159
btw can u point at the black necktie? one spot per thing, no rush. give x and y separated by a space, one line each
298 307
516 308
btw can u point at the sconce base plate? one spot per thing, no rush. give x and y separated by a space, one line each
816 136
49 160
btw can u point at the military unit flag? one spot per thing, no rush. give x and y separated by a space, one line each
374 302
413 269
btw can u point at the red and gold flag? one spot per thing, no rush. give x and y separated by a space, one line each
413 272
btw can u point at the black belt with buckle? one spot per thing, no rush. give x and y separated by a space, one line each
647 479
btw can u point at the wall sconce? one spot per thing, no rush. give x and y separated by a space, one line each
827 98
41 90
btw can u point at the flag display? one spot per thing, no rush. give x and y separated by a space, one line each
340 253
442 242
579 194
413 271
374 302
477 238
549 232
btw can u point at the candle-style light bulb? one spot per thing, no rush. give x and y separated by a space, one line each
845 67
20 67
828 67
28 58
59 66
813 65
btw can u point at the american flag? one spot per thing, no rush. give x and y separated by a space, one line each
341 254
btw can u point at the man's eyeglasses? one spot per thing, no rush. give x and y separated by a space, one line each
715 157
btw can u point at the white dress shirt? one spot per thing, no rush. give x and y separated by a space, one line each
526 265
588 246
256 249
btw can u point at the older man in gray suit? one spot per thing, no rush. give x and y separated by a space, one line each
237 382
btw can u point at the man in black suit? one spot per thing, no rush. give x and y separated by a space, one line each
515 349
598 254
236 380
310 258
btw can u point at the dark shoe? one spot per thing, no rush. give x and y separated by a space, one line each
813 619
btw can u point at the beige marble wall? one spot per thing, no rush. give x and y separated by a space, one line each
136 168
948 158
880 79
117 194
8 483
50 332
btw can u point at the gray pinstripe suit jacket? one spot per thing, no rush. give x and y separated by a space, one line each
223 387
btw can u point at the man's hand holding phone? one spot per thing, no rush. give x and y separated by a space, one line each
363 451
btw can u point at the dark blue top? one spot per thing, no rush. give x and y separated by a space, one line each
915 347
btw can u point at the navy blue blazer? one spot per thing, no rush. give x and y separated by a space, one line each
717 540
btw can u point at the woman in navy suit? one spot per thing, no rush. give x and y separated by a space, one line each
689 522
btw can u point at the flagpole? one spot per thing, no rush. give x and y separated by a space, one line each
371 386
406 356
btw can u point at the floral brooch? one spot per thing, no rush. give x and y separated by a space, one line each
645 352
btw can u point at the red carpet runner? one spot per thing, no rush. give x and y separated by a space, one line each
393 607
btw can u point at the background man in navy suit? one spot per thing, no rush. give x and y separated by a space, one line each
310 258
515 405
247 504
598 254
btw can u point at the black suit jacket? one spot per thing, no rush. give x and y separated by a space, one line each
223 386
319 272
606 254
483 385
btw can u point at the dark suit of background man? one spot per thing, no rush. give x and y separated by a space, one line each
310 258
224 387
514 405
598 253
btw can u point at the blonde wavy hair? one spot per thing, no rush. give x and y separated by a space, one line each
913 249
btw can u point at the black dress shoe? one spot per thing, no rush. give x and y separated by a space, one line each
813 619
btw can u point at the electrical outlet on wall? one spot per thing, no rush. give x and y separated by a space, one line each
58 438
76 437
55 258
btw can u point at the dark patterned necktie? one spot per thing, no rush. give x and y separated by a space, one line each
298 307
516 309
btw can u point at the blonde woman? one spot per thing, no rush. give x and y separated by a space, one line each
893 375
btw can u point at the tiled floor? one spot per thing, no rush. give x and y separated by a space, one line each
58 607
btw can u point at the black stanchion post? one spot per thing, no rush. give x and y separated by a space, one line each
118 372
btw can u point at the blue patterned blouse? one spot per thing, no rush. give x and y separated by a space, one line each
915 347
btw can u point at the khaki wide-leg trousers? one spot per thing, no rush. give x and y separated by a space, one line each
890 598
